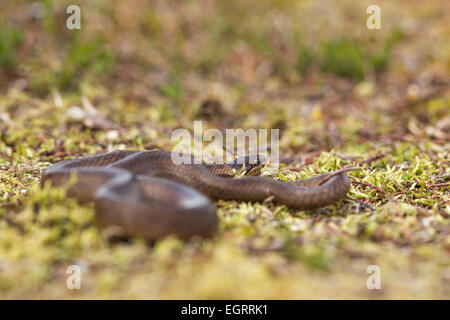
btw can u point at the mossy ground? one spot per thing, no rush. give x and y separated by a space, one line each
339 93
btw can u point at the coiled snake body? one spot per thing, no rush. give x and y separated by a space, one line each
146 194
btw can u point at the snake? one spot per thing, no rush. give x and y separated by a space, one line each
146 194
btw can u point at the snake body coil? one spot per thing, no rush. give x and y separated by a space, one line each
146 194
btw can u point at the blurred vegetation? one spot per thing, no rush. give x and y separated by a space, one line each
80 59
137 70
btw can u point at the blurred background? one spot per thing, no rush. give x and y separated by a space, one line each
198 58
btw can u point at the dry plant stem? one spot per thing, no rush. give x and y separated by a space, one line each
374 187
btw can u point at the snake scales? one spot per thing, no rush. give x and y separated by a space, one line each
146 194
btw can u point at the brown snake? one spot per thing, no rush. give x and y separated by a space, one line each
146 194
